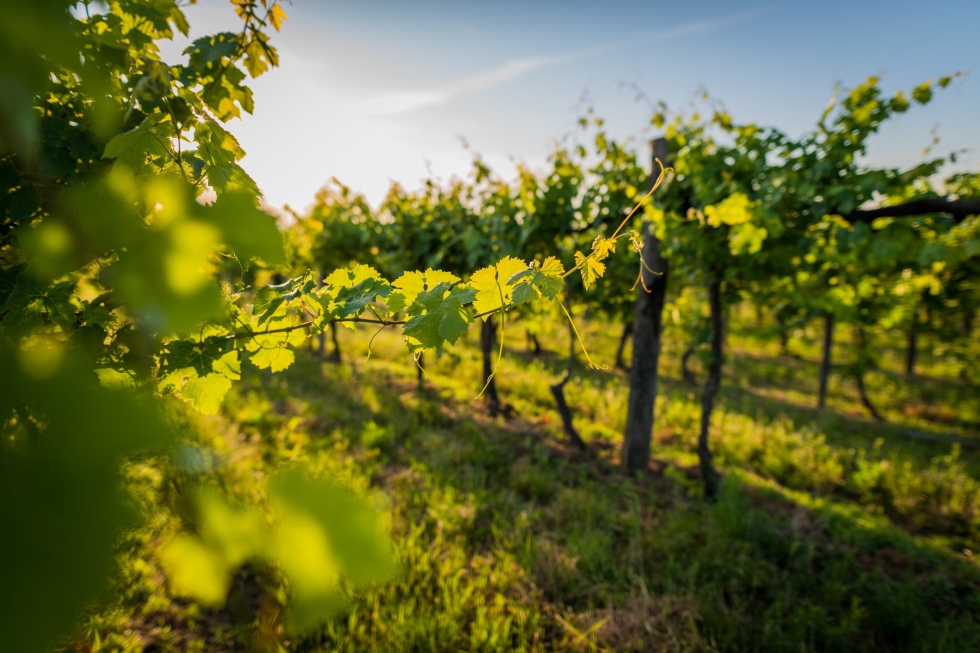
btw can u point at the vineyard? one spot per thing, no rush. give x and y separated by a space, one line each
717 392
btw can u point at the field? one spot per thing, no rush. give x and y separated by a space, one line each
831 533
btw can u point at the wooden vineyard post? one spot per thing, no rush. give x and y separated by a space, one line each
647 333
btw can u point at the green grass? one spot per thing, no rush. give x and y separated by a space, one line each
831 532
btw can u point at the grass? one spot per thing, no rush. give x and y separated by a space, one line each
831 532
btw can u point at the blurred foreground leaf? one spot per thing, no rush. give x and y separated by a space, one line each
321 537
63 506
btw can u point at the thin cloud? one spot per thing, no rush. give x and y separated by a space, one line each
700 27
402 101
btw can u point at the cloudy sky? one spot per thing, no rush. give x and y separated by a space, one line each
374 91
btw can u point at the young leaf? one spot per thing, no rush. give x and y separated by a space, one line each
602 247
277 16
734 209
591 269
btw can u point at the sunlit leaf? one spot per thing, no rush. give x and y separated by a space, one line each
438 316
492 284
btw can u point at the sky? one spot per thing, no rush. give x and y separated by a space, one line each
379 91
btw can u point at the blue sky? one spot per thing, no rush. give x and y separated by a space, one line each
372 91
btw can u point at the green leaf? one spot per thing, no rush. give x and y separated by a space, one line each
320 536
439 316
228 536
410 284
115 379
325 533
206 393
135 147
603 247
591 269
350 277
63 509
269 299
747 238
922 93
734 209
256 60
200 372
197 356
179 20
8 281
492 284
275 359
530 284
164 274
251 232
220 151
212 49
31 303
270 350
352 301
229 97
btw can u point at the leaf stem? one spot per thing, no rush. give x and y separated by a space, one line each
580 341
254 334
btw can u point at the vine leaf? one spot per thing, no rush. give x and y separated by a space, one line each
206 393
256 60
200 372
438 316
8 282
603 247
733 210
276 16
347 292
350 277
320 535
269 299
31 302
271 350
352 301
220 151
492 284
62 496
197 356
533 283
251 232
590 268
275 359
409 285
146 141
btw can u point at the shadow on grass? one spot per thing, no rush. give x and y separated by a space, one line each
606 560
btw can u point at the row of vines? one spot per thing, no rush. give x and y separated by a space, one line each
745 215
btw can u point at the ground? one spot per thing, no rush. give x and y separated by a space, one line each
831 532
